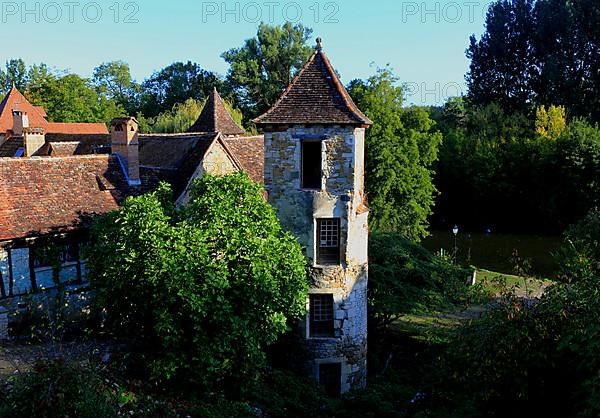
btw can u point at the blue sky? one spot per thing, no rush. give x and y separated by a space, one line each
424 41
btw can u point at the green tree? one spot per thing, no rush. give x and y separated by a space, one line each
182 116
536 53
113 80
264 66
401 148
205 287
15 73
503 63
175 84
73 99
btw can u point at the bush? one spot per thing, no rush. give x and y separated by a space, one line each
57 389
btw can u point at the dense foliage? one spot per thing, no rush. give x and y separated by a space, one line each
264 66
401 148
56 389
203 289
509 172
535 53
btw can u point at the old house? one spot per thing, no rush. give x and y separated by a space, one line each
314 177
18 118
48 198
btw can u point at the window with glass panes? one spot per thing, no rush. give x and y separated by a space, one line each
321 315
328 241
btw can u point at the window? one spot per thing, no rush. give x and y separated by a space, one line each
330 377
328 241
311 164
45 257
321 316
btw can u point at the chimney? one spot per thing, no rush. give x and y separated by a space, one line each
20 122
124 144
33 140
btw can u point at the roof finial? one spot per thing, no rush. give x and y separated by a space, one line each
319 46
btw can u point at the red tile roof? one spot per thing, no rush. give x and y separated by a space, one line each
216 118
249 151
15 100
44 195
92 128
315 96
37 117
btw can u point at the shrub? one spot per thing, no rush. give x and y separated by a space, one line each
57 389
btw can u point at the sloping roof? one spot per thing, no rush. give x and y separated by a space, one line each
315 96
37 117
10 147
15 100
92 128
43 195
250 153
172 157
215 118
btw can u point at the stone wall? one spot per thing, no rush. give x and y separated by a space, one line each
340 196
216 161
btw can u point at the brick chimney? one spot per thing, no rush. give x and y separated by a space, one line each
124 144
20 122
33 140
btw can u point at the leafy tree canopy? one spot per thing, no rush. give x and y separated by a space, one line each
204 287
264 66
175 84
73 99
401 148
535 53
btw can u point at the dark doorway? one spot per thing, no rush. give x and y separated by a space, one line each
330 377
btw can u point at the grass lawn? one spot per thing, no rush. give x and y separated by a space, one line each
434 326
496 283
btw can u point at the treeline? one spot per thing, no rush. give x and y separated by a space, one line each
521 151
515 174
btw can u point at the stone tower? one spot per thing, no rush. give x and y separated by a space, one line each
314 177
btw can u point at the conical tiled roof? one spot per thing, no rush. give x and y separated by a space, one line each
315 96
216 118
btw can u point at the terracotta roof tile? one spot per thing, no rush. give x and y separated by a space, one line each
316 95
42 195
15 100
216 118
250 153
37 117
172 157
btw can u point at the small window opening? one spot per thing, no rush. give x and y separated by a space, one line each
311 164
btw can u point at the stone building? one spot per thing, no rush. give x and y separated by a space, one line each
314 177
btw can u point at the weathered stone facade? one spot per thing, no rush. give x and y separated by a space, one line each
339 197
